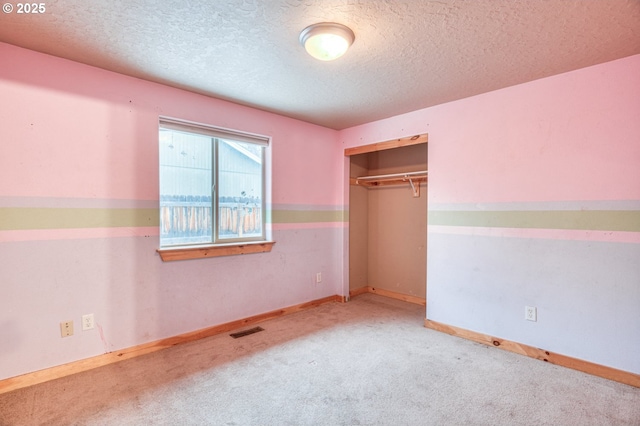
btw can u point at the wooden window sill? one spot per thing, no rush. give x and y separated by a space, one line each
185 253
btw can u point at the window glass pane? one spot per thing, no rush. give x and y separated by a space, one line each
185 188
240 189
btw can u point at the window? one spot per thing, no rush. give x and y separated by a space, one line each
212 185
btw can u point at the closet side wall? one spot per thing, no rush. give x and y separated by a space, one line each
358 225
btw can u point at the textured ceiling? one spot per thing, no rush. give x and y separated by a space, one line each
407 54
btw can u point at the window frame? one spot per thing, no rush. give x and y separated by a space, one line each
226 246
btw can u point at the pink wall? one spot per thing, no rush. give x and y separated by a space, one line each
102 126
76 140
574 128
534 199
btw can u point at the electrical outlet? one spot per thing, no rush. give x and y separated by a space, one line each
66 328
318 277
87 322
530 313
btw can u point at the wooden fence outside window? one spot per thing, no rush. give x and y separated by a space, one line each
192 220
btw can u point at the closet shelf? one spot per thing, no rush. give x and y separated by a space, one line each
413 178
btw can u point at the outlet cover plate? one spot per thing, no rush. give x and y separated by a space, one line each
66 328
87 322
530 313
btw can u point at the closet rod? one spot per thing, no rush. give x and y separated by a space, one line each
393 175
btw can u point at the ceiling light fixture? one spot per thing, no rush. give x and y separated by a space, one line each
326 41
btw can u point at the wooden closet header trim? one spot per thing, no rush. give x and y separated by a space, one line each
381 146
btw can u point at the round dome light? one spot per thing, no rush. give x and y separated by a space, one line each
326 41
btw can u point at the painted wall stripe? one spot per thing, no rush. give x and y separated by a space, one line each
77 203
311 225
108 203
62 218
77 234
577 205
27 218
600 220
536 233
147 232
15 218
307 207
310 216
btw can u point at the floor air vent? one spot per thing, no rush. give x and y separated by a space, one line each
246 332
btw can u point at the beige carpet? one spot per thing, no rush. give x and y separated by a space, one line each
366 362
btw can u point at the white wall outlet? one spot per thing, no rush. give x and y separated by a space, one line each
87 322
66 328
530 313
318 277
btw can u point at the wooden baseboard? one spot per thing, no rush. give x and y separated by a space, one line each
59 371
388 293
358 291
541 354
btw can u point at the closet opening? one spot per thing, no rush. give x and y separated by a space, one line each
388 219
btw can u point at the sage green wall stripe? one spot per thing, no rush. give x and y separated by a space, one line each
15 218
307 216
64 218
596 220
